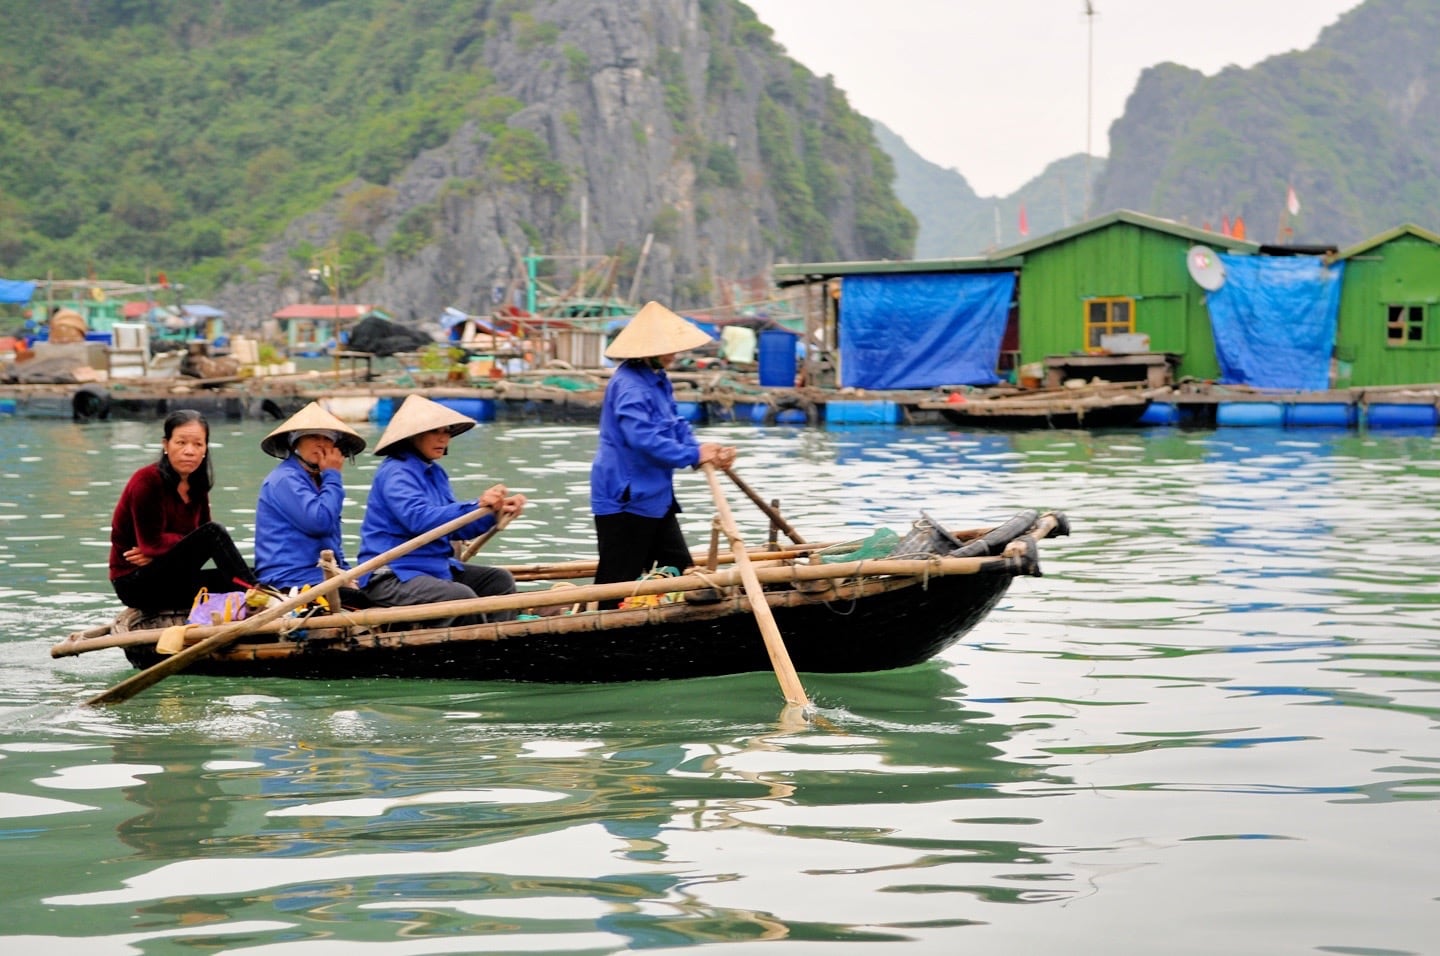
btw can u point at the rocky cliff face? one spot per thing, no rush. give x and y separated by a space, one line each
1353 124
675 119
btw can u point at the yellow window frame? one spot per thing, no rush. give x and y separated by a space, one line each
1107 315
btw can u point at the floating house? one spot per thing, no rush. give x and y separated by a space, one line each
1118 284
1117 297
1389 325
315 329
912 324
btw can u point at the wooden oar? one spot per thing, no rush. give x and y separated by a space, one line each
770 512
128 688
481 540
774 643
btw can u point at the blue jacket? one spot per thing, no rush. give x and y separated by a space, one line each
294 522
409 497
642 441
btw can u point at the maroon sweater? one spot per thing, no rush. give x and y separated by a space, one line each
153 517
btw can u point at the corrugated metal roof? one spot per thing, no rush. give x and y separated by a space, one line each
1179 229
1011 257
310 310
802 271
1409 229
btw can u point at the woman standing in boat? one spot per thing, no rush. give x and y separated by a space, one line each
643 440
161 535
411 494
297 514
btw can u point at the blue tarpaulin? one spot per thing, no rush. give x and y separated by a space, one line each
1274 321
923 330
12 290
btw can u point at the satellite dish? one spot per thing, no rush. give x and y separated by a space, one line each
1205 267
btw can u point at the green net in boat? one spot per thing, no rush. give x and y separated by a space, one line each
880 543
569 383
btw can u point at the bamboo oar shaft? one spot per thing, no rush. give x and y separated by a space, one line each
774 644
228 633
474 546
764 506
371 617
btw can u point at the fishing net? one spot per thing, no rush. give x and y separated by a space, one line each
879 544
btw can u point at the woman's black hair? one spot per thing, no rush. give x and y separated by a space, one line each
204 477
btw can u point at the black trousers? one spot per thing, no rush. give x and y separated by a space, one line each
468 582
631 545
170 582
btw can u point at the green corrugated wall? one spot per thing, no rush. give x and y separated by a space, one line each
1405 270
1119 261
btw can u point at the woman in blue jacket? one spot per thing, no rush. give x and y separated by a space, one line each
297 514
643 440
411 495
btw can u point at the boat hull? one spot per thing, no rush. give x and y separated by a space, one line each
882 631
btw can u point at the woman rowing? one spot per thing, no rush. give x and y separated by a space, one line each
643 440
411 494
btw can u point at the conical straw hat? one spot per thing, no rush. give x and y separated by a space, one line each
312 418
655 330
418 415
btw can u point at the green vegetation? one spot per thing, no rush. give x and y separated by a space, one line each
147 135
167 134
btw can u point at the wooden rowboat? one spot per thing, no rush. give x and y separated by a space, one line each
839 612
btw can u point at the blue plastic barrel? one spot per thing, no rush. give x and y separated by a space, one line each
861 413
383 410
691 411
777 358
480 409
1250 413
1333 414
1160 413
1392 415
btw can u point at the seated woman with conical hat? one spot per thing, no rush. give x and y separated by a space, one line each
411 495
643 440
297 514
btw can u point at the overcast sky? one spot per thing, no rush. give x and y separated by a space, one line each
997 89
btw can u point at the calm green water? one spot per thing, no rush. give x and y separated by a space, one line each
1212 727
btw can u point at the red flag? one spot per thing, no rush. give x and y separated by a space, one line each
1292 201
1238 230
1224 225
1024 223
164 282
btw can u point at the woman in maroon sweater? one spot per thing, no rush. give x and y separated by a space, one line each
161 536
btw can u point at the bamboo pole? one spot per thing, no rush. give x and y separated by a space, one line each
473 547
775 517
774 643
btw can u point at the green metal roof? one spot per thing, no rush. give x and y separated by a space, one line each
1011 257
1139 219
802 271
1408 229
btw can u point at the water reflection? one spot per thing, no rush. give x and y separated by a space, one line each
1228 669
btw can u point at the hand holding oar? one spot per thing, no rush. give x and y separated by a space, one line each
770 512
126 689
774 643
480 541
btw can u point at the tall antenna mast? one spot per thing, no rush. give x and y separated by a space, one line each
1089 98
